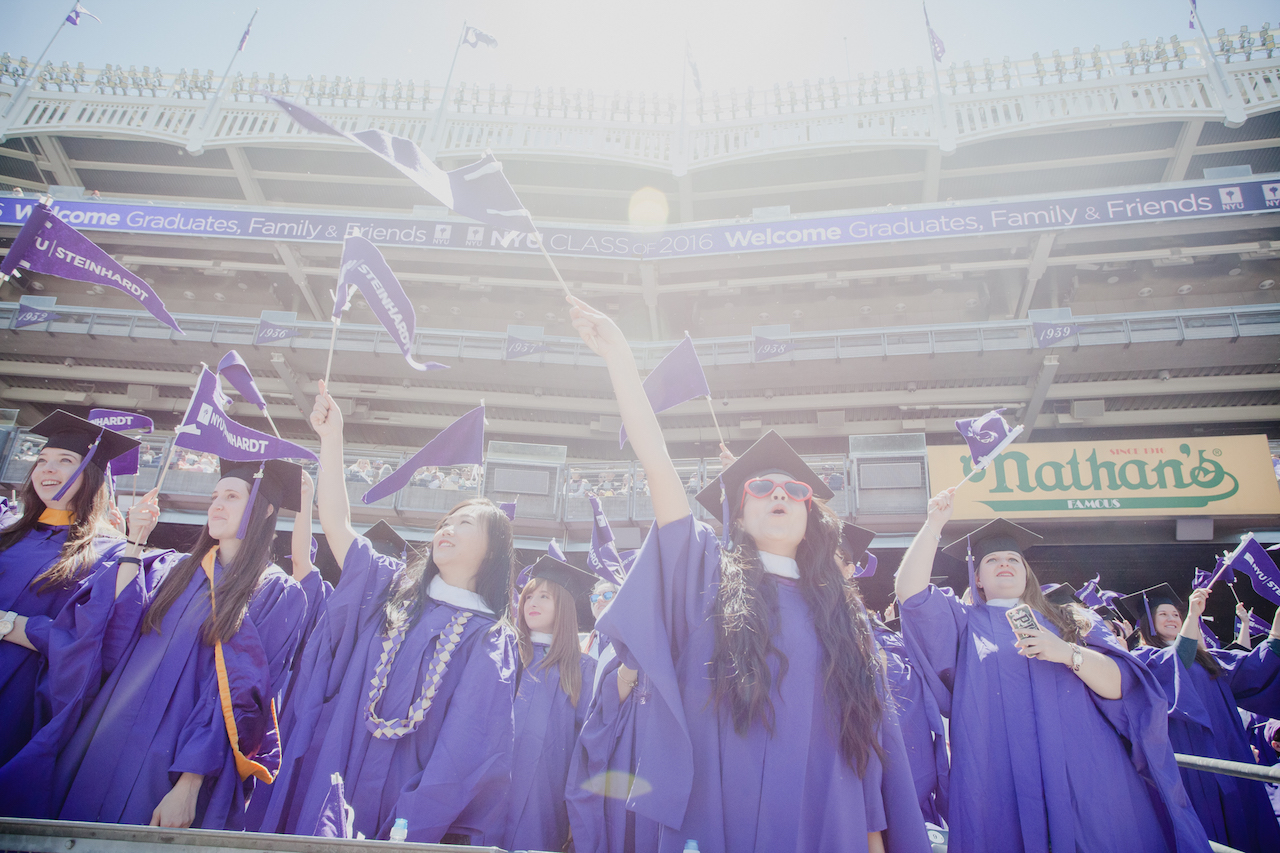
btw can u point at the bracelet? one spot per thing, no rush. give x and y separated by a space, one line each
139 544
136 560
936 536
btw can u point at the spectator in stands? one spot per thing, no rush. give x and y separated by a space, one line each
835 480
1206 689
453 482
384 470
1038 714
147 457
48 552
140 735
436 754
577 487
624 487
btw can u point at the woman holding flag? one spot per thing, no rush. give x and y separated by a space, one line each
188 662
1058 734
48 553
766 725
1206 688
404 714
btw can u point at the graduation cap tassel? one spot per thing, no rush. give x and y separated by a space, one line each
83 464
1151 624
968 562
725 514
248 507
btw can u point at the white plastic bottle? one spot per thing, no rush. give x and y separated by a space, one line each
691 844
400 830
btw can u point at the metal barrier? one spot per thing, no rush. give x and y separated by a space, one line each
1256 772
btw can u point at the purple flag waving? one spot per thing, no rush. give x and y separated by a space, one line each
46 244
1053 334
269 332
1210 639
935 43
1257 625
479 190
519 347
235 371
1252 559
30 316
767 348
364 267
460 443
207 428
126 463
603 557
73 17
986 437
677 379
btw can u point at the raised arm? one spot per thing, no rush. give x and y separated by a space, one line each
606 339
1244 638
917 563
300 543
335 510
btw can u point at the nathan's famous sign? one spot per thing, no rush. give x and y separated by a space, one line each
1229 475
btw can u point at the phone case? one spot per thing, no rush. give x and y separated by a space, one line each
1022 618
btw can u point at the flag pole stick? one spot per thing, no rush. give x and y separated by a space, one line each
35 69
333 340
711 406
274 428
970 474
222 84
543 246
173 445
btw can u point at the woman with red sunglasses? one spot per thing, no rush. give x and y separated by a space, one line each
765 727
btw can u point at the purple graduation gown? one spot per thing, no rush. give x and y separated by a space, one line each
158 712
1037 758
546 729
451 775
1203 720
791 790
20 668
923 732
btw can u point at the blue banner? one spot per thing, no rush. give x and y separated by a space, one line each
1044 213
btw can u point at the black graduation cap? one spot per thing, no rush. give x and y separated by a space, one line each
998 535
281 482
387 542
572 578
770 453
855 540
96 445
1144 602
1109 613
1060 593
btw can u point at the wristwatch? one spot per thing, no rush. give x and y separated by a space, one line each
6 623
1077 657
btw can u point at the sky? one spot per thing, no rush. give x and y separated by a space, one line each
594 44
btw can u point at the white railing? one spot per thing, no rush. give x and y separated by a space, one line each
1169 79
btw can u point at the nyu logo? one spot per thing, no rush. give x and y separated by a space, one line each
1271 194
1231 198
475 236
443 235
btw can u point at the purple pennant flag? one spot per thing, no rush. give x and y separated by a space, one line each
479 190
553 550
234 370
603 557
460 443
1089 593
678 378
509 510
1257 625
31 316
866 571
269 333
46 244
1210 639
1252 559
207 428
126 463
519 347
935 43
364 267
73 17
986 437
767 348
1054 334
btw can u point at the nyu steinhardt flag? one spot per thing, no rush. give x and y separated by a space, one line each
234 370
207 428
603 556
767 348
48 245
1257 625
519 348
269 332
460 443
986 437
1252 559
29 315
126 463
479 190
678 378
364 267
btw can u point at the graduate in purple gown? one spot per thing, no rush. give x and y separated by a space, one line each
47 553
152 745
552 696
766 728
1205 687
405 710
1058 734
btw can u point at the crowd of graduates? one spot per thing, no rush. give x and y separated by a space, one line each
736 694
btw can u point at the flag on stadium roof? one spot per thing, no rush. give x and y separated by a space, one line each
73 17
935 43
460 443
475 37
693 67
244 39
678 378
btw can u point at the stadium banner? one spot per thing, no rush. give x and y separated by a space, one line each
1056 212
1202 476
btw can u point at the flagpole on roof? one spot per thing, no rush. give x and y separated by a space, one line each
35 69
196 144
946 133
1231 106
444 96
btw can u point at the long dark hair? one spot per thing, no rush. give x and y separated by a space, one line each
1071 620
89 506
746 605
406 599
564 651
239 578
1151 637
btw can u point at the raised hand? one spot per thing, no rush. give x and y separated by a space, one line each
597 330
326 417
144 516
1196 603
726 458
940 508
308 489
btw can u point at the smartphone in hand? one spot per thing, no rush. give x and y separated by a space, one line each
1022 618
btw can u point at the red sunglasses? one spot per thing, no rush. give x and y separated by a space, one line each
761 487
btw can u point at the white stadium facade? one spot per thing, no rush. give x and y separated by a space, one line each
895 246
